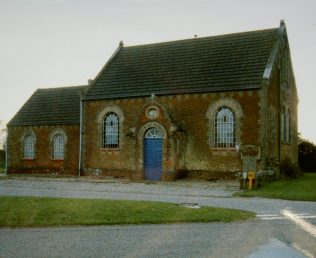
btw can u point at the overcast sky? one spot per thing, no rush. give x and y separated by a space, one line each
54 43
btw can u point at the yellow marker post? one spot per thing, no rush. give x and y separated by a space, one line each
251 176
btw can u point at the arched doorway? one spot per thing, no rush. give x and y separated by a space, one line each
153 141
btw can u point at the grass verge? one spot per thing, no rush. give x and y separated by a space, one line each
38 212
301 189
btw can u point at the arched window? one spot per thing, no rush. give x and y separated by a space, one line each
283 124
224 128
58 146
29 147
272 133
110 132
225 124
287 125
153 133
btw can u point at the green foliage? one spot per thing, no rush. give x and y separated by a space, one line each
307 155
301 189
32 211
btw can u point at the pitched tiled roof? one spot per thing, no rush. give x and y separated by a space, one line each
227 62
54 106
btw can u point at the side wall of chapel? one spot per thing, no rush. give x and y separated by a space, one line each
282 138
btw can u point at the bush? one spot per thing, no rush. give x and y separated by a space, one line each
307 155
289 170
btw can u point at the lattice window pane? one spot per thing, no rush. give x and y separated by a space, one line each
154 133
110 131
28 147
272 126
287 126
224 127
283 124
58 147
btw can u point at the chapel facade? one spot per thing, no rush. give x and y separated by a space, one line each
200 108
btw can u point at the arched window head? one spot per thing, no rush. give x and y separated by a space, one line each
224 128
58 146
29 147
110 131
153 133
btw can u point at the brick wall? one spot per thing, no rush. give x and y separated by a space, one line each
187 148
280 95
43 163
273 154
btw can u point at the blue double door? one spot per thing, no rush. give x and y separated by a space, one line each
153 158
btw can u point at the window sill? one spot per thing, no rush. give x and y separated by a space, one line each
109 149
58 159
223 152
225 149
28 158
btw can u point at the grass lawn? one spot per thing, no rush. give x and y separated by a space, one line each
303 189
35 212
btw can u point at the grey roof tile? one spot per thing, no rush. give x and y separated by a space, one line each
53 106
227 62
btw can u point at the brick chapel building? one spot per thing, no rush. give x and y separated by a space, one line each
201 108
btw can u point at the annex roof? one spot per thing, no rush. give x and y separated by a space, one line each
53 106
228 62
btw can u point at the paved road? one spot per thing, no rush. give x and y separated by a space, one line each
241 239
271 234
204 193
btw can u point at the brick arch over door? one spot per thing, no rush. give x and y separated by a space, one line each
149 148
149 125
153 153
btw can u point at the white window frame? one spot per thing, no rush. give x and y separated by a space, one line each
111 131
58 147
110 108
287 126
154 133
29 146
272 125
283 124
224 128
233 105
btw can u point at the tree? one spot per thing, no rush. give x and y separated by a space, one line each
306 155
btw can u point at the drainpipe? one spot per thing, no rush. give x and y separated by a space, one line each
80 137
6 154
